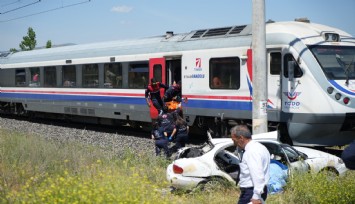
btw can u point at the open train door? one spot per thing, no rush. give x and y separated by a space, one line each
157 70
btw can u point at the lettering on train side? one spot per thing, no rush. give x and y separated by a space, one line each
196 76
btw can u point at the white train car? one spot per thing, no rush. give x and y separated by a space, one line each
310 100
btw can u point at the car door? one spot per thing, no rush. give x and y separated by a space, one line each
287 155
295 160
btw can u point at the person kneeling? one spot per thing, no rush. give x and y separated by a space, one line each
161 142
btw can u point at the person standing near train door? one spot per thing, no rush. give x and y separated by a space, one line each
173 92
153 93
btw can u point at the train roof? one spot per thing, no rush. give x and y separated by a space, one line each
232 36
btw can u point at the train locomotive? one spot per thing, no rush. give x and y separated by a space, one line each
310 77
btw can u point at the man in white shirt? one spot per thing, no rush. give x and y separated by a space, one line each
254 167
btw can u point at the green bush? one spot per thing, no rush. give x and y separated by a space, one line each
320 188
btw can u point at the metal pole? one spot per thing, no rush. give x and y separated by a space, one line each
259 68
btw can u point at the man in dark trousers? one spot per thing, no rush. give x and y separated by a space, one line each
254 166
348 156
161 141
153 92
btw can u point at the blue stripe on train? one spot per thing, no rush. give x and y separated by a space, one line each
212 104
341 88
192 103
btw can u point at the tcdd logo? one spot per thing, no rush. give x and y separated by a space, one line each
292 104
292 95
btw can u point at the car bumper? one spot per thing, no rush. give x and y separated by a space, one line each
179 181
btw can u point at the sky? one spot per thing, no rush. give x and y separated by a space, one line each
90 21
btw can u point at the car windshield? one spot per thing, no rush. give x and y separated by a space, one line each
291 153
337 62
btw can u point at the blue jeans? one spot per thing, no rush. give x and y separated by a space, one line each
247 193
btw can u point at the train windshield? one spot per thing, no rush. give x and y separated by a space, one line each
337 62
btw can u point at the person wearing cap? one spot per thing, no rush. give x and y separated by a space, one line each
152 92
254 166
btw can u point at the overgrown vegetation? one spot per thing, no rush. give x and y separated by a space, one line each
34 170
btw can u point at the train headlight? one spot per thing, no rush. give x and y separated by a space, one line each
346 100
331 37
337 96
330 90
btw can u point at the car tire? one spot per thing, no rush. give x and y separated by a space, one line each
212 184
330 173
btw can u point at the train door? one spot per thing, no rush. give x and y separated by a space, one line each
274 83
291 84
157 70
173 69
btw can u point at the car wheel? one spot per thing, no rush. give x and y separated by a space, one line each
330 173
212 184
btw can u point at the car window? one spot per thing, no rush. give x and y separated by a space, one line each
273 148
276 152
206 147
291 153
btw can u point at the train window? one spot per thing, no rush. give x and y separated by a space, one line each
69 76
225 73
297 72
90 76
35 80
275 63
138 75
157 72
50 77
20 77
113 75
337 62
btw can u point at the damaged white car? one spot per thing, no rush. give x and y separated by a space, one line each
218 160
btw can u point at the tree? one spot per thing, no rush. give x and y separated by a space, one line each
13 50
49 44
29 42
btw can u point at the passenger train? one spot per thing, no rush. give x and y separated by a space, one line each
310 78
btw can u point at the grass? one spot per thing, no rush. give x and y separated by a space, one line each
35 170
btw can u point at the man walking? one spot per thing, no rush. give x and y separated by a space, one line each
254 166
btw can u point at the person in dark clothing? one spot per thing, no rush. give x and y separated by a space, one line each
166 121
173 92
161 141
181 134
153 92
348 156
